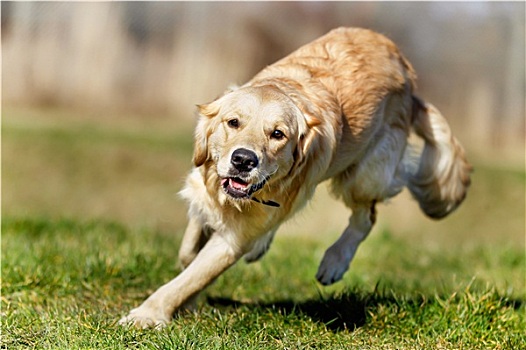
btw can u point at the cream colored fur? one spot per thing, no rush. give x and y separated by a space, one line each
341 109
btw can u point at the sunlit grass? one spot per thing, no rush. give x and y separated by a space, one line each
91 225
65 283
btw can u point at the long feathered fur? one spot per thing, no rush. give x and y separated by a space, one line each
343 107
443 175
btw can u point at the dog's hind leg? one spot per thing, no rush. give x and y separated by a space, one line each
338 257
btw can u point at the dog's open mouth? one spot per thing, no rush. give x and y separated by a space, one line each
238 188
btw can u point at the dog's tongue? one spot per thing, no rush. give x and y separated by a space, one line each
233 182
238 184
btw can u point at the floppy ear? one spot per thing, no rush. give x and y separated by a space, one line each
307 133
203 130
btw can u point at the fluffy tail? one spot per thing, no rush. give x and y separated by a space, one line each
443 174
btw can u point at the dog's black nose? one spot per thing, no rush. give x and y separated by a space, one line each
244 160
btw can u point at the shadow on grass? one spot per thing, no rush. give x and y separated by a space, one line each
347 312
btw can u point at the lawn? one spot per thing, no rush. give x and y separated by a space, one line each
91 225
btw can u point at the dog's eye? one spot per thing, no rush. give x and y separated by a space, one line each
277 134
233 123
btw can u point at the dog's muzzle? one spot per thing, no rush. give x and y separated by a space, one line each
243 161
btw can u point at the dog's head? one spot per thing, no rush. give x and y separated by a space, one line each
252 135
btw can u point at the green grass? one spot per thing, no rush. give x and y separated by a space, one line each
65 283
91 225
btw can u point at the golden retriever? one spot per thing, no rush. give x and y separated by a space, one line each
339 108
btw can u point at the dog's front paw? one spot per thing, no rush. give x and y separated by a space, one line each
145 317
332 267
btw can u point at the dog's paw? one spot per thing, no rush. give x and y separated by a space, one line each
144 317
332 267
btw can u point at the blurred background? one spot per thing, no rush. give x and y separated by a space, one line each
98 99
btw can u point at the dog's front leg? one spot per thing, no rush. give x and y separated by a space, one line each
194 239
217 255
